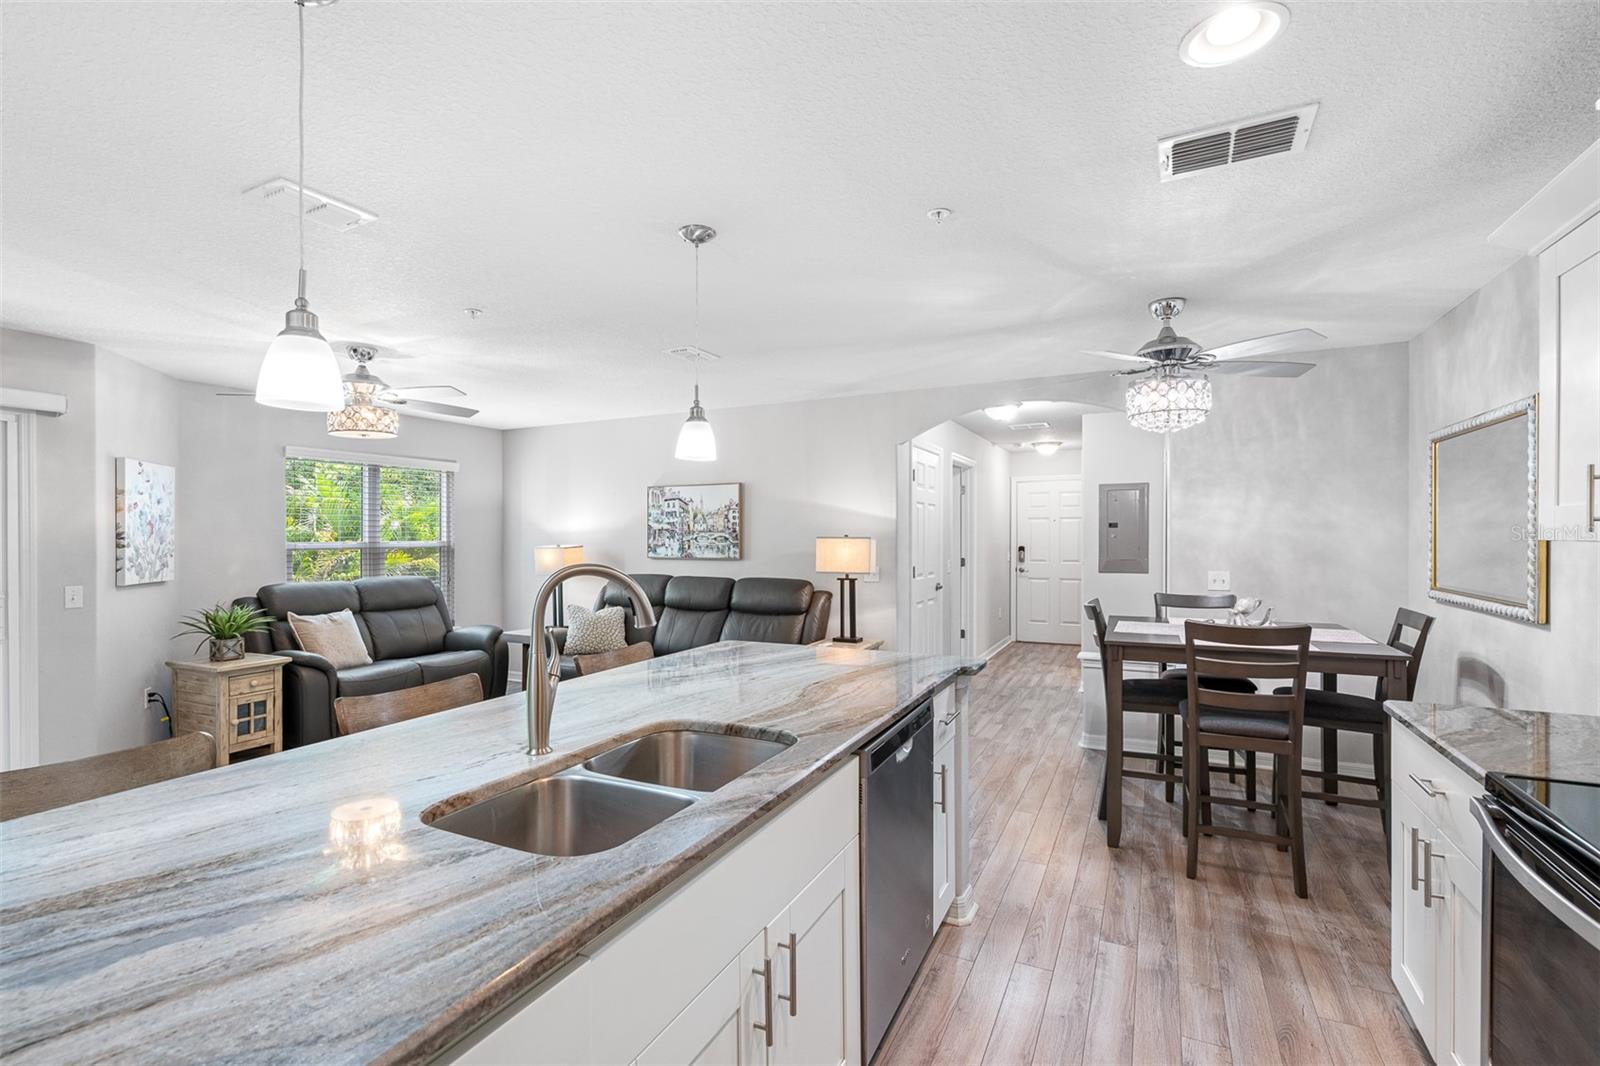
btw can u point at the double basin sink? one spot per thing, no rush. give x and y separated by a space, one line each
613 797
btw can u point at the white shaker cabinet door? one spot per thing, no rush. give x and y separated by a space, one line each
816 958
1413 928
1457 886
719 1025
1569 384
944 829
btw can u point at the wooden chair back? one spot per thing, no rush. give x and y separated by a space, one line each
357 713
44 788
1274 653
1205 601
1097 618
1418 623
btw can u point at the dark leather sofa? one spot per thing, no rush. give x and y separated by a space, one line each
408 631
693 611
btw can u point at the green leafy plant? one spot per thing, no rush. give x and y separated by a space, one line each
223 622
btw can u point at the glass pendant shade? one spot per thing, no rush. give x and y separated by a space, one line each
300 372
362 417
1167 402
697 442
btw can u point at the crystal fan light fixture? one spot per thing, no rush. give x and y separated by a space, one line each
1168 401
362 416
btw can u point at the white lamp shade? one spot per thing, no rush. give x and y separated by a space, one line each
696 441
549 558
300 373
844 555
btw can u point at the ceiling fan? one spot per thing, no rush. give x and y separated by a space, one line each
372 407
1170 389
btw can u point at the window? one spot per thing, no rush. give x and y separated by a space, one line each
350 516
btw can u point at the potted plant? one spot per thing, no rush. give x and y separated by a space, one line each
224 627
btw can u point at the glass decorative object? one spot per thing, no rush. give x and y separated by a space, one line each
1168 401
362 416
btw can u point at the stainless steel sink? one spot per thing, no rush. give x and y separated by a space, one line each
568 814
685 758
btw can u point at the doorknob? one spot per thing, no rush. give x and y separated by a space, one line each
1022 569
938 586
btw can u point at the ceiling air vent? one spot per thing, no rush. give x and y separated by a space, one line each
321 208
1030 427
1252 138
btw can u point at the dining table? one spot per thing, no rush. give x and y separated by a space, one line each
1335 649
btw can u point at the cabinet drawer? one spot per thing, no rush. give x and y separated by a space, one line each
244 684
945 716
1438 788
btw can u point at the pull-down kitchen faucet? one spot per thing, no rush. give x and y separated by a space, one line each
540 689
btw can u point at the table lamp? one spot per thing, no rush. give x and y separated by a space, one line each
845 556
547 559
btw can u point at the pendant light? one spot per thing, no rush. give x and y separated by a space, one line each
300 372
697 442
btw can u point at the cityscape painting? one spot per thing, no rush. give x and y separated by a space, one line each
694 521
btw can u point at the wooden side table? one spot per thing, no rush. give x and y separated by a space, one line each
237 702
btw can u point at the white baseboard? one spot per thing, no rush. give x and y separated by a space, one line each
963 909
999 647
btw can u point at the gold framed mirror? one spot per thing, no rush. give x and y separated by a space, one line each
1484 551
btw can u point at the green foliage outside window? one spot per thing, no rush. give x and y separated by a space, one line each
326 502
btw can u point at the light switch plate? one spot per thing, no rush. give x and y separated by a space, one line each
72 597
1218 580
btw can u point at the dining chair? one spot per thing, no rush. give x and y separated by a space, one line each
1332 711
1141 695
1207 601
1269 723
357 713
44 788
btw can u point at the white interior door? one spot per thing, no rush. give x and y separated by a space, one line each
927 544
960 608
7 563
1047 514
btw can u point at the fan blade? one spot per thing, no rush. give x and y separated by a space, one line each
1099 388
432 408
1124 356
250 394
429 388
1259 368
1272 343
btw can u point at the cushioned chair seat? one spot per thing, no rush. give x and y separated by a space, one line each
385 675
443 665
1155 689
1240 723
1339 707
1221 684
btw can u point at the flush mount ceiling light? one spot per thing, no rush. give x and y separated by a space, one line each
1004 412
1046 447
1169 400
697 442
1238 30
300 372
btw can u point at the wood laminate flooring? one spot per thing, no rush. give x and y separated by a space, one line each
1085 954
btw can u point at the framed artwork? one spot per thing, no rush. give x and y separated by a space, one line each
695 521
147 522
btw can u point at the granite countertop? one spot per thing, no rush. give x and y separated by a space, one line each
210 917
1481 739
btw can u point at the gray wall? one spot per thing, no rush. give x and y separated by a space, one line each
1484 353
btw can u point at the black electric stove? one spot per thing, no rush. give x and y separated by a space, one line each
1541 909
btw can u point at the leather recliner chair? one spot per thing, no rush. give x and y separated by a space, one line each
693 611
407 629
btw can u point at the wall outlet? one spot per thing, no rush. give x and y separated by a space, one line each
1218 580
149 695
72 597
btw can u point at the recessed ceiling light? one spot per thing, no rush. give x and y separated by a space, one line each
1004 412
1238 30
1046 447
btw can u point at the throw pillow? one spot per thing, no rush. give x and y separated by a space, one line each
591 632
332 636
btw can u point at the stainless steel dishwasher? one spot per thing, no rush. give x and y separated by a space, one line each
896 868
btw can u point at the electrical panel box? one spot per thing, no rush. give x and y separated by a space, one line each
1125 528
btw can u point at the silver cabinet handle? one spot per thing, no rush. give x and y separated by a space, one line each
940 801
1427 875
765 973
1593 477
1416 877
1427 786
793 998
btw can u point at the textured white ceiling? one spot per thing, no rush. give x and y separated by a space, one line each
535 160
1065 421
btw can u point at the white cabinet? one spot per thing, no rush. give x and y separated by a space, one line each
1569 384
1436 899
816 963
944 828
721 1024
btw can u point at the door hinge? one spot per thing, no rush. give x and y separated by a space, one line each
963 560
963 634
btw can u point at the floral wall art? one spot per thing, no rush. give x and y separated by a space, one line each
147 522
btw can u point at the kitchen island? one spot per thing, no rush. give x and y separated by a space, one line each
213 917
